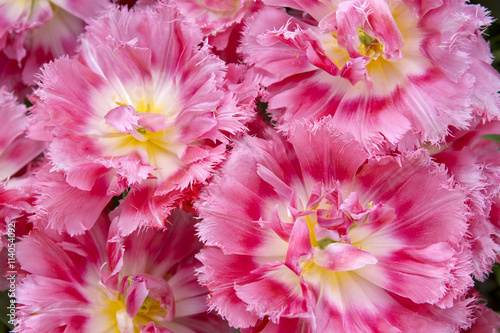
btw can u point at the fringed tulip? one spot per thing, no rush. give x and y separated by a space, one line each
16 151
36 32
384 70
101 282
322 236
146 108
472 158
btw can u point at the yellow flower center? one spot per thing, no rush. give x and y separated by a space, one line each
386 74
344 223
370 46
159 148
111 315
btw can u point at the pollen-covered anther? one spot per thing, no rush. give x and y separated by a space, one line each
370 46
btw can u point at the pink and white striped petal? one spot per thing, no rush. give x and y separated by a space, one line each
155 117
385 71
364 244
94 282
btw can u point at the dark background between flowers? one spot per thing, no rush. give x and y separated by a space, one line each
489 289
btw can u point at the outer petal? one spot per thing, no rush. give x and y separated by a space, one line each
339 160
214 16
157 252
15 150
220 273
276 292
356 305
251 190
67 208
142 208
473 161
273 55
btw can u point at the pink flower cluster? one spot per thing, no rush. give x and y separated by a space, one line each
262 165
